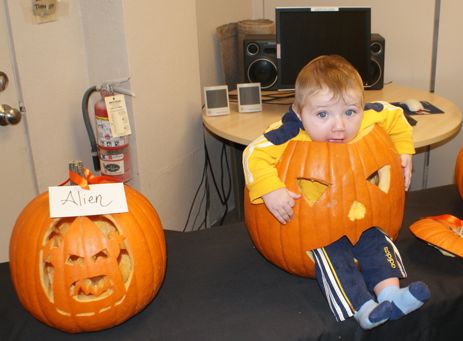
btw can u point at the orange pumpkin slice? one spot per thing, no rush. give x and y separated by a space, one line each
444 232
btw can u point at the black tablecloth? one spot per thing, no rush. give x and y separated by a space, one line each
218 287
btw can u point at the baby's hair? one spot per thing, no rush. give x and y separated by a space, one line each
332 72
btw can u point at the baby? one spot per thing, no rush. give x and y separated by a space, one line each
329 107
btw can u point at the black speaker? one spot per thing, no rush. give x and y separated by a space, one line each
375 79
260 64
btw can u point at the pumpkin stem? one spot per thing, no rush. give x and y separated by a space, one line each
77 167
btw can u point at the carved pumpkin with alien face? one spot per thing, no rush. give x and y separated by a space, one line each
87 273
346 188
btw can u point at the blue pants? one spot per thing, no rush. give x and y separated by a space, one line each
346 287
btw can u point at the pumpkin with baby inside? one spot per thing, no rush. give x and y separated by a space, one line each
345 189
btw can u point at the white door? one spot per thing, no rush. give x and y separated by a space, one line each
17 180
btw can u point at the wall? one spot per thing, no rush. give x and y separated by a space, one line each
162 50
408 60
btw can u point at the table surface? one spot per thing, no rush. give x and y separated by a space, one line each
219 287
243 128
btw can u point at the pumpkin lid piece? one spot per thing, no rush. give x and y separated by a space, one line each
444 232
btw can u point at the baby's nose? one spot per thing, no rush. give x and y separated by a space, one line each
339 124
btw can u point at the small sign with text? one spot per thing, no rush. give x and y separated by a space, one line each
73 201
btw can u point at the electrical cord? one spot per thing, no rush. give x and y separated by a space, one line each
202 201
223 191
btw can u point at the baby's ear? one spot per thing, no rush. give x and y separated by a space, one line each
297 109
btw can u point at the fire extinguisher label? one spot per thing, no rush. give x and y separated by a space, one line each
112 167
111 157
117 115
105 139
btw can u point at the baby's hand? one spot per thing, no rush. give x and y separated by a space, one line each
407 166
280 203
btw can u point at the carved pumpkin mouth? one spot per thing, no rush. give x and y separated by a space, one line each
91 289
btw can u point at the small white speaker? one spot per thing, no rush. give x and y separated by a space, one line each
249 97
216 100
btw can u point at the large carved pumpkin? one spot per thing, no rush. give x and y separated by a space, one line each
87 273
346 189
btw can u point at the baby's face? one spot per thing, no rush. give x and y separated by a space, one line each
329 119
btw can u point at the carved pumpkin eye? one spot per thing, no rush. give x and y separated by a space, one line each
74 259
103 254
311 189
381 178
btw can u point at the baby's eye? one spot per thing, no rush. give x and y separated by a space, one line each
322 114
350 112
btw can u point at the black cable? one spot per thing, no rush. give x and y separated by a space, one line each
205 200
222 200
223 197
223 193
205 194
88 127
224 156
203 177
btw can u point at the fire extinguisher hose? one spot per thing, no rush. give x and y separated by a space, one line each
88 126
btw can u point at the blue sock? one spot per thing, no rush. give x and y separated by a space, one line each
405 300
372 314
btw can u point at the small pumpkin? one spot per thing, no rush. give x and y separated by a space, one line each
346 189
443 231
87 273
459 172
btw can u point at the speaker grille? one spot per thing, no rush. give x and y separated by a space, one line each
263 71
260 60
375 78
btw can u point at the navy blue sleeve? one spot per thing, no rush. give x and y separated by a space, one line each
289 129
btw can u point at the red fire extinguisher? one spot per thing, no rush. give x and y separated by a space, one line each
111 154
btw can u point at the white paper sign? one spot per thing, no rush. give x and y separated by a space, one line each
72 201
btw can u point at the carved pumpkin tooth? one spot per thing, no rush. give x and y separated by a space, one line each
98 287
73 290
103 283
86 285
94 290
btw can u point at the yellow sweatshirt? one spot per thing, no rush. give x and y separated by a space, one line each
261 156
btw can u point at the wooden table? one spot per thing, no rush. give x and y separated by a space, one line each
243 128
